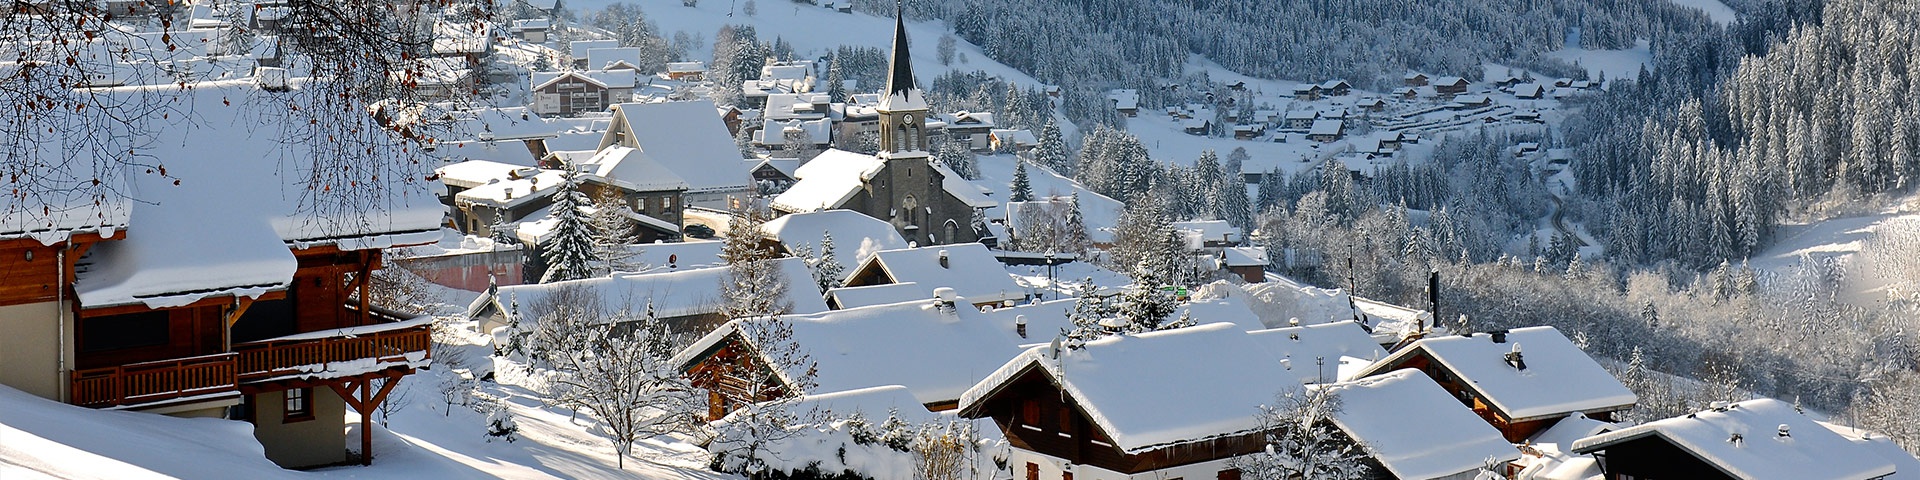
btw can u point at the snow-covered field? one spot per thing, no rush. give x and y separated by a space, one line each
1720 13
1847 243
1614 63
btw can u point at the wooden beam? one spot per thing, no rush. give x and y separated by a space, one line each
240 306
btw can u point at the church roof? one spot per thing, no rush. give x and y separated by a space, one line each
902 94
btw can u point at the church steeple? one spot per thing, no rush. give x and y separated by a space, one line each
903 109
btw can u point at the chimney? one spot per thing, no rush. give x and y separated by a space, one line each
1433 296
509 193
1020 325
1783 431
943 259
1514 359
944 298
1499 336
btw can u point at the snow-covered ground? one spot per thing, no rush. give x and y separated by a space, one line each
1843 241
813 31
1614 63
1720 13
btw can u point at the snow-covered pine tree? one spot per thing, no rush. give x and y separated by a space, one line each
836 81
957 157
1088 310
1022 189
1073 235
827 272
1052 151
754 285
613 231
570 253
1303 442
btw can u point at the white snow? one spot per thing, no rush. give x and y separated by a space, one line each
1301 349
1718 12
853 297
1559 378
856 236
970 270
635 170
1415 428
1614 63
40 438
1098 212
828 181
1810 450
689 139
1146 391
673 294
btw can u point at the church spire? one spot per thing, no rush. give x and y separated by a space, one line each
900 71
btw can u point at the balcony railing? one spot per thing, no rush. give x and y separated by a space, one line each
313 356
152 382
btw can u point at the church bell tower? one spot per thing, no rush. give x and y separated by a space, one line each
903 111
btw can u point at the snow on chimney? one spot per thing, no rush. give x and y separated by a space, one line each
1514 358
1784 433
943 259
1020 325
944 298
509 193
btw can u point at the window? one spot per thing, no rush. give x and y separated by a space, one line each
1033 471
299 405
1066 420
132 330
1030 412
1230 474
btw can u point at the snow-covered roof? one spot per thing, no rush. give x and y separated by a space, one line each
606 58
1211 230
580 47
1303 114
1015 136
1759 452
505 123
828 181
1326 127
460 38
1472 99
1143 390
54 215
633 169
686 137
1527 90
1318 353
1906 467
617 78
673 294
854 297
1332 84
962 189
1559 378
531 24
934 352
970 270
855 235
226 226
513 191
50 439
1416 429
1449 81
686 67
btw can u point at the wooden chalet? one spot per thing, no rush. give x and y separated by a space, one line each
1414 79
212 297
1127 406
1763 438
1450 85
1520 381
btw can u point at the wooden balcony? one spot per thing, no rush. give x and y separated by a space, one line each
342 352
155 382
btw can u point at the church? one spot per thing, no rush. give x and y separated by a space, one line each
926 202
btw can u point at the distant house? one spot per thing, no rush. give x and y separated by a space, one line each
1414 79
531 30
617 58
1126 101
656 196
577 92
857 236
686 71
1450 85
1336 88
1250 263
1013 140
1473 101
688 300
579 48
973 129
1529 91
1300 119
1762 438
1372 105
1196 126
1249 131
690 140
968 268
1324 131
1518 391
1307 92
1408 93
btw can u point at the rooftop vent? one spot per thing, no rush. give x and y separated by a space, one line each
1736 439
1514 359
944 298
1499 336
1784 433
1718 406
1020 325
509 193
943 259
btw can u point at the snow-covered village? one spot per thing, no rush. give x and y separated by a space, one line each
960 240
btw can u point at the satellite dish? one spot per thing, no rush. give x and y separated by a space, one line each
1056 348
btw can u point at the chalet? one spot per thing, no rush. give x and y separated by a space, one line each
1374 105
1528 115
968 268
935 347
688 139
775 174
1408 93
216 296
1469 102
859 236
686 71
439 78
616 58
654 194
1505 81
577 92
687 299
1249 131
1528 91
1414 79
774 135
1563 82
1247 263
973 129
531 30
1014 140
1130 406
1762 438
579 49
1126 101
1209 233
1301 120
1392 141
1196 126
1450 85
1307 92
1336 88
1449 442
460 40
1519 392
1324 131
854 297
485 194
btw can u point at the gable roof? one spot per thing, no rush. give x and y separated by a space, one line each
633 169
1301 349
855 236
1414 428
680 293
686 137
1559 378
1142 390
854 297
1812 451
607 58
970 270
828 181
1327 127
227 226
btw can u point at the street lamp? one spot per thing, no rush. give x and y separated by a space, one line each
1052 283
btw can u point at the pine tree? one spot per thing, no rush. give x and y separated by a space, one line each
836 81
613 231
1052 151
570 253
754 285
1272 186
1021 190
827 271
1074 234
